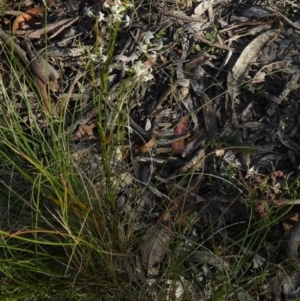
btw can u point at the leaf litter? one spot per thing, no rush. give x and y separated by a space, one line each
215 99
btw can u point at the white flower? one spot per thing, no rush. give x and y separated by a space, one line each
138 68
105 5
117 9
117 18
117 12
142 48
147 77
147 36
152 54
100 55
129 5
141 72
144 73
133 57
103 58
127 22
124 58
89 12
92 56
157 45
125 67
100 17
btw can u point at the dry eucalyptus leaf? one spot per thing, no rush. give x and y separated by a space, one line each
29 18
220 152
88 129
181 129
240 69
258 12
79 134
204 6
84 129
148 125
154 247
148 146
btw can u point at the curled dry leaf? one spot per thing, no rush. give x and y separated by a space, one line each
149 62
194 142
50 3
176 289
43 73
88 128
41 68
240 69
30 18
204 6
154 247
181 129
83 130
78 134
143 149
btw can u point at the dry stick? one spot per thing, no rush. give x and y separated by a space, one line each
217 45
164 97
12 13
196 196
245 23
177 16
295 25
62 27
38 33
286 202
13 47
195 62
172 139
